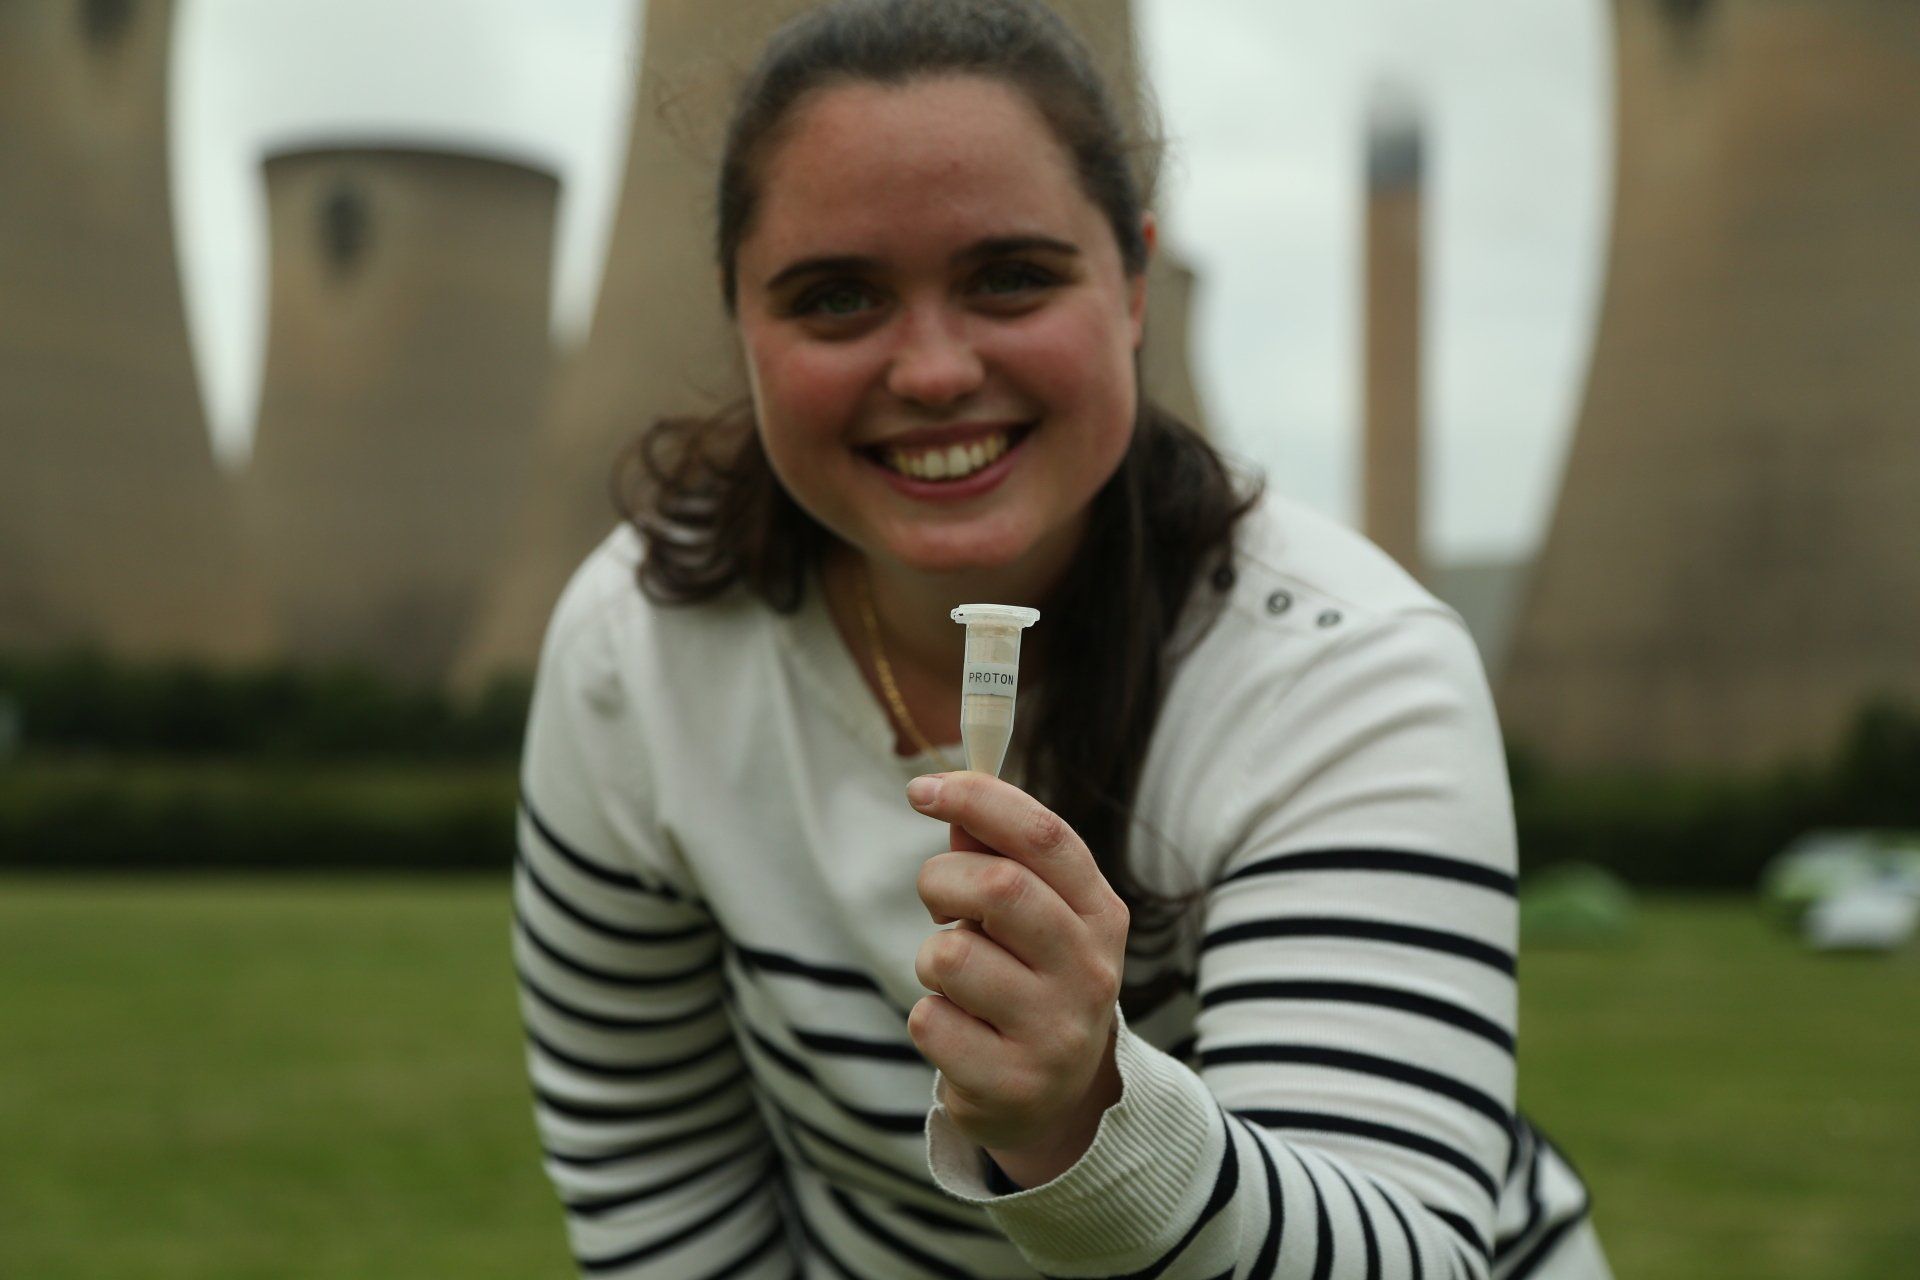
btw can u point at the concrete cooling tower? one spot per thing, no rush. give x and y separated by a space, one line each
115 526
407 364
1734 565
660 343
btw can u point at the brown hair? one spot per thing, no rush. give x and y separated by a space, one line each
702 495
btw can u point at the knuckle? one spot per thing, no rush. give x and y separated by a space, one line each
951 949
1005 884
1044 830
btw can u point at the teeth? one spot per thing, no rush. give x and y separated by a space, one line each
955 462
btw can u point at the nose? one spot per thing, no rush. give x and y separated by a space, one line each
935 363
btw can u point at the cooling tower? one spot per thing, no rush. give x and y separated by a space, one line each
660 343
407 365
1734 564
115 526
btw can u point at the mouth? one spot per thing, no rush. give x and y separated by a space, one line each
946 457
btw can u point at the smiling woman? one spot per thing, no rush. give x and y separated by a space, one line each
1262 786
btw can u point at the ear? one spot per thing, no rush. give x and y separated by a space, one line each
1137 286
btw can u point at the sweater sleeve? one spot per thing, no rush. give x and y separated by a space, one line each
641 1099
1348 1110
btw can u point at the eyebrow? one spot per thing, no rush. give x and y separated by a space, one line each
991 247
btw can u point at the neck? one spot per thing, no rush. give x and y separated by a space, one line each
913 606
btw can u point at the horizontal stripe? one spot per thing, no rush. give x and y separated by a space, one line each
632 1070
589 867
652 1146
1369 994
1531 1261
819 1244
1468 1233
856 1047
1365 1064
1323 1241
1351 1126
673 1240
756 1251
579 1109
1405 935
897 1181
1264 1261
601 1205
1397 861
789 966
619 933
608 1023
1225 1182
892 1242
1368 1237
884 1121
938 1222
1406 1231
611 977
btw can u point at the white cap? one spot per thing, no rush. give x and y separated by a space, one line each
1004 615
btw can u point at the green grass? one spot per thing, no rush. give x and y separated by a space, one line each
1740 1107
297 1079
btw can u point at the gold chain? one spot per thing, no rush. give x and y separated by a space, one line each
884 669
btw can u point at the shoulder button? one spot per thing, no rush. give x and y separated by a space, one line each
1278 603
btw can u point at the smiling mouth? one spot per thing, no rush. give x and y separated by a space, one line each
946 463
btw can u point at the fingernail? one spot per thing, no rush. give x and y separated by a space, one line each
924 791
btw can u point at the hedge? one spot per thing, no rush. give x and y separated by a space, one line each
177 767
112 813
83 701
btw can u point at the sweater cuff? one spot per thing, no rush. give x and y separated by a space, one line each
1129 1198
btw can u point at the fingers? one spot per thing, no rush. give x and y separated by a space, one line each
1014 906
980 977
1011 822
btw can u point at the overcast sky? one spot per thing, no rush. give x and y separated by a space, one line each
1265 102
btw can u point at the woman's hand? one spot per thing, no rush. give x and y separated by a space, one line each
1021 1024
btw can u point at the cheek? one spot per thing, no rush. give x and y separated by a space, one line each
1081 363
802 395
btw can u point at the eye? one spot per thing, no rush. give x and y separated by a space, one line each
835 300
1013 278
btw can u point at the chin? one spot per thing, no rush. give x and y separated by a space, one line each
958 554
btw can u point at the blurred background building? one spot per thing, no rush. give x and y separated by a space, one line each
1733 566
1729 571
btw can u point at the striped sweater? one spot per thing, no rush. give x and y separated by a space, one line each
716 920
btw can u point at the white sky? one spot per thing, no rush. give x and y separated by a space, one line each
1264 101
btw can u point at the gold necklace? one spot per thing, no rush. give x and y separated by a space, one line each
882 668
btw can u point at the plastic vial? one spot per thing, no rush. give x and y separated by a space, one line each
991 680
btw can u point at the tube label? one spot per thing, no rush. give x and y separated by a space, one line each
1001 678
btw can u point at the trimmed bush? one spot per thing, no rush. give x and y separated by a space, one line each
1717 833
82 701
113 813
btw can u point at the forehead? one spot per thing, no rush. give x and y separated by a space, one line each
867 165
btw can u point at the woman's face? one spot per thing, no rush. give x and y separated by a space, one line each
938 327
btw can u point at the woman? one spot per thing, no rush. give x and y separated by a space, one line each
1230 990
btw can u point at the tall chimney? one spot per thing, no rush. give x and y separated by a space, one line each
1391 461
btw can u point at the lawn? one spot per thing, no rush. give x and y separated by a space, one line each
295 1079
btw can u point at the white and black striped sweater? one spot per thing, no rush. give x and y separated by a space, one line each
716 919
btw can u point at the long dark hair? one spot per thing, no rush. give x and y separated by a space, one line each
704 498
